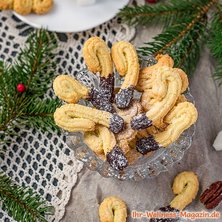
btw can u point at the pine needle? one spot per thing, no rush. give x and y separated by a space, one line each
181 41
165 13
185 29
22 203
34 67
39 114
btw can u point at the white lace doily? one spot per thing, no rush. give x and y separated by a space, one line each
40 160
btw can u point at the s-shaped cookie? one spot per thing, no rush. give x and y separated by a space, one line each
180 118
146 74
126 62
68 116
109 147
171 85
69 90
98 60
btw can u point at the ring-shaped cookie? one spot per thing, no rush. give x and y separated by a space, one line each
112 209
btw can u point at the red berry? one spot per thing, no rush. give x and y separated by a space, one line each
21 88
151 1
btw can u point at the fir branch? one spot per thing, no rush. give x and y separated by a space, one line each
33 67
215 42
39 114
163 12
182 40
22 203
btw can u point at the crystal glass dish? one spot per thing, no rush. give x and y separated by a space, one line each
144 167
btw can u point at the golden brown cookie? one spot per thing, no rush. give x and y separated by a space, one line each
98 60
66 119
184 78
185 186
68 115
101 141
94 142
112 209
42 6
6 4
126 61
108 139
180 118
167 88
97 57
128 134
147 75
164 60
69 89
124 146
129 113
127 64
148 99
23 7
181 99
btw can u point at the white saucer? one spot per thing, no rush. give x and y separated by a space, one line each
67 16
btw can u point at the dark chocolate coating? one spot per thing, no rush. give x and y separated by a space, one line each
166 209
116 123
106 87
117 159
124 97
102 98
100 101
140 121
146 145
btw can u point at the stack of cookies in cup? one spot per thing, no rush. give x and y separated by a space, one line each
120 128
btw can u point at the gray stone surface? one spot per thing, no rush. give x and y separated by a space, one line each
153 193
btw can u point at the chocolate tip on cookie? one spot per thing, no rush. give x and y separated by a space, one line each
124 97
140 121
117 159
106 87
100 100
146 145
116 123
